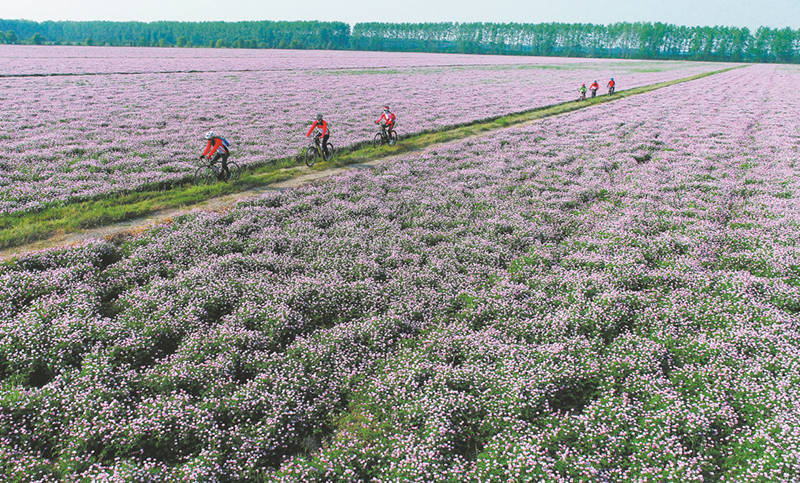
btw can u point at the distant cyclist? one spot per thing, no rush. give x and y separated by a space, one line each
582 90
321 125
386 120
594 88
217 146
611 86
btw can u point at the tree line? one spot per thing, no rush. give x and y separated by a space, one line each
250 35
639 40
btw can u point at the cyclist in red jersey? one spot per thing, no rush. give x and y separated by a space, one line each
594 88
216 146
386 120
322 126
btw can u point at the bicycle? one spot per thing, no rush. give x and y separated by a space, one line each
209 172
313 151
384 137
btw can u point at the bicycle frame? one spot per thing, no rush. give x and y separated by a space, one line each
316 143
385 132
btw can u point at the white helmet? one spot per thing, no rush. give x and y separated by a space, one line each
210 135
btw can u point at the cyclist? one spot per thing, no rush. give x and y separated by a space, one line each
322 126
217 146
611 86
594 88
582 90
386 121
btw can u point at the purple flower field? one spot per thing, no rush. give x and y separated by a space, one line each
608 295
39 60
86 136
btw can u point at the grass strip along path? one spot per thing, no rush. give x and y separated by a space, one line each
22 228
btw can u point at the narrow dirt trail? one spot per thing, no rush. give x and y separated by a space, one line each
226 202
221 203
218 204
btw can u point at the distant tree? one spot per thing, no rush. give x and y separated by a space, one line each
37 39
181 42
11 37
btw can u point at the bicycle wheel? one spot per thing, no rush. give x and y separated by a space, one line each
392 137
234 170
204 175
377 140
311 156
331 152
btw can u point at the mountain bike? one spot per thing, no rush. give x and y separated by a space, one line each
611 90
314 151
385 137
209 172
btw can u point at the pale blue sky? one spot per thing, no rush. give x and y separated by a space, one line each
773 13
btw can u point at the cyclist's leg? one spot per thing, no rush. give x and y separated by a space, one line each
214 161
325 143
225 164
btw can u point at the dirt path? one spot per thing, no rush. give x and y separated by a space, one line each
222 203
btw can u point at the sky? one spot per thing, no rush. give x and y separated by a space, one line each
743 13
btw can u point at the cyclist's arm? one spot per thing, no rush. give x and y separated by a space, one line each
312 129
324 127
208 148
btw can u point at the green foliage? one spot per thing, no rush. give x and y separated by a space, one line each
260 34
639 40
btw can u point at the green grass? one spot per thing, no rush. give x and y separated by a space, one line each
20 228
23 228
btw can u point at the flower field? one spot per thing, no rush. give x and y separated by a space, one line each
78 137
53 60
607 295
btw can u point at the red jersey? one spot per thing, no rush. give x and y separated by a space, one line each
388 119
213 148
323 125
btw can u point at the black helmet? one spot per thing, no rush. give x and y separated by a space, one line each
319 117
